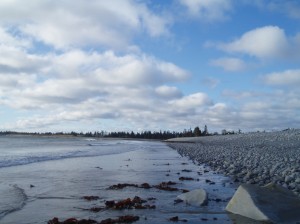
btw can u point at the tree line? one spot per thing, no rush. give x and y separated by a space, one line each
160 135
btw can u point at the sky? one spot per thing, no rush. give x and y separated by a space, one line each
133 65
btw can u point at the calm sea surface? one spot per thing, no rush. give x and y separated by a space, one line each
46 177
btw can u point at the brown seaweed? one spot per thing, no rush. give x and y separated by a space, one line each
91 198
72 221
165 186
121 219
186 178
121 186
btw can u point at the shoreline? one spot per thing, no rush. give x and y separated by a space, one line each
83 187
254 158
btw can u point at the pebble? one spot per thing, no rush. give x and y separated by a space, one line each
255 158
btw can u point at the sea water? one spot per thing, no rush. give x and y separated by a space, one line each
46 177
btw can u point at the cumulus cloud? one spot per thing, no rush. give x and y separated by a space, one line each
230 64
66 24
75 85
264 42
131 70
269 42
285 78
209 10
70 65
191 104
76 76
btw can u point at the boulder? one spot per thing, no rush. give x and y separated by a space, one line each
196 197
271 203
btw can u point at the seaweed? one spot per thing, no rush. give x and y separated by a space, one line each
120 219
91 198
186 178
121 186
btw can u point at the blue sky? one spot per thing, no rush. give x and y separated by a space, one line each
149 65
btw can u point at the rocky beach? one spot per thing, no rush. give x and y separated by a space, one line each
254 158
79 180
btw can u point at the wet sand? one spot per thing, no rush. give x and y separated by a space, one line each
56 188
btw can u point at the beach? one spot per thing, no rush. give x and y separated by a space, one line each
57 177
46 178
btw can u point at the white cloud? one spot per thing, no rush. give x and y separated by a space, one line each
168 91
132 70
267 111
13 59
139 107
209 10
77 76
65 25
191 102
230 64
264 110
264 42
285 78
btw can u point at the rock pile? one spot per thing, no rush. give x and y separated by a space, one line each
254 158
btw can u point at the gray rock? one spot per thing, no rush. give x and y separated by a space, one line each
196 197
288 179
271 203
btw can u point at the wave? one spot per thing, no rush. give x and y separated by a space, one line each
90 149
13 198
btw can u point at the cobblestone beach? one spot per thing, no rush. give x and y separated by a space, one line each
255 158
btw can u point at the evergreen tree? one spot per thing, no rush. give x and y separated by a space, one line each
205 132
197 131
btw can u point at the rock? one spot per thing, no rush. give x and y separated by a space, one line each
292 185
288 179
270 203
196 197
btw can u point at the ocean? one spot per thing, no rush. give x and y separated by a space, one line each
46 177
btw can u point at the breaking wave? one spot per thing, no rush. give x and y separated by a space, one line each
31 152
